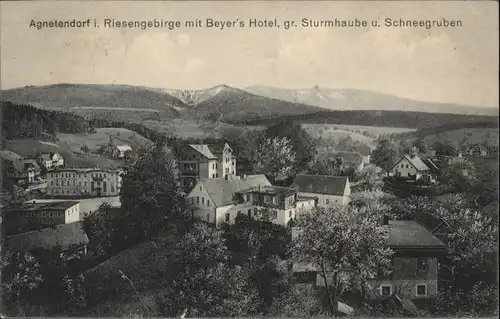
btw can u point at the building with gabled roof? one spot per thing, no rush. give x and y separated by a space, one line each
205 161
18 169
414 167
33 215
219 201
415 263
327 189
51 160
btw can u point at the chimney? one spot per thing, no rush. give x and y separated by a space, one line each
386 220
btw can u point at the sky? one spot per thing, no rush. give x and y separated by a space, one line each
456 65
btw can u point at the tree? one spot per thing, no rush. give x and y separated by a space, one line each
151 193
371 178
297 301
275 158
346 246
20 278
471 239
385 154
459 173
302 144
206 284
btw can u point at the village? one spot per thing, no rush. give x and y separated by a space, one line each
218 194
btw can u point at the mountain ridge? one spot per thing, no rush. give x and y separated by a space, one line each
357 99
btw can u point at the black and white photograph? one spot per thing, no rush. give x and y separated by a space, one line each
250 159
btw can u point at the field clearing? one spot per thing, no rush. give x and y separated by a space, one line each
191 129
101 137
32 148
86 204
473 136
327 132
374 129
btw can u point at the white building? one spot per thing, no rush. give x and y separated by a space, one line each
328 190
413 167
51 160
219 200
83 182
205 161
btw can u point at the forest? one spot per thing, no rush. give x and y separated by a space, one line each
371 118
28 122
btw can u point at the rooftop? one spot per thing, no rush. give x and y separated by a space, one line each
216 148
30 207
269 190
65 235
410 234
203 150
222 191
321 184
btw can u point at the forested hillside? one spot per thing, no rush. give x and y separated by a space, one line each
27 122
373 118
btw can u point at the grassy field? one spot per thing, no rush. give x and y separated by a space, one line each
68 145
329 132
473 136
146 265
74 142
191 129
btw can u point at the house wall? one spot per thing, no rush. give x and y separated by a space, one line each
233 210
406 277
366 159
404 169
204 208
83 183
328 200
227 164
72 214
303 206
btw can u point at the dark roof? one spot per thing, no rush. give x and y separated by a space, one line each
362 149
31 162
222 191
203 150
217 147
410 234
16 159
9 155
269 190
321 184
29 206
353 158
65 235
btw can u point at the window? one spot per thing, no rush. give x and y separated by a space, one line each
275 200
227 170
213 166
208 202
385 290
208 217
213 175
266 199
248 197
422 264
290 214
327 201
197 199
421 290
238 213
227 217
249 213
200 188
203 200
